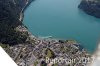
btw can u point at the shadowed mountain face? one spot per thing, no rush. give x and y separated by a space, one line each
9 13
91 7
9 20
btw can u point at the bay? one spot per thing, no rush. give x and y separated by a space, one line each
63 20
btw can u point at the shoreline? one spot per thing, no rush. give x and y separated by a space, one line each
32 36
23 9
33 50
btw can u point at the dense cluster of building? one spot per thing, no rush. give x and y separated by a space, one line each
34 54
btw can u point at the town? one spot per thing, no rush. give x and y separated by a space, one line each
35 50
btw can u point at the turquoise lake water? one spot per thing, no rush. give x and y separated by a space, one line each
62 19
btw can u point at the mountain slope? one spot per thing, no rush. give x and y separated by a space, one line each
9 20
91 7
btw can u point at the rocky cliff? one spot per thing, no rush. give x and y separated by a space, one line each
9 20
91 7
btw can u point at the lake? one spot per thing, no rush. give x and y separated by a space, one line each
63 20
